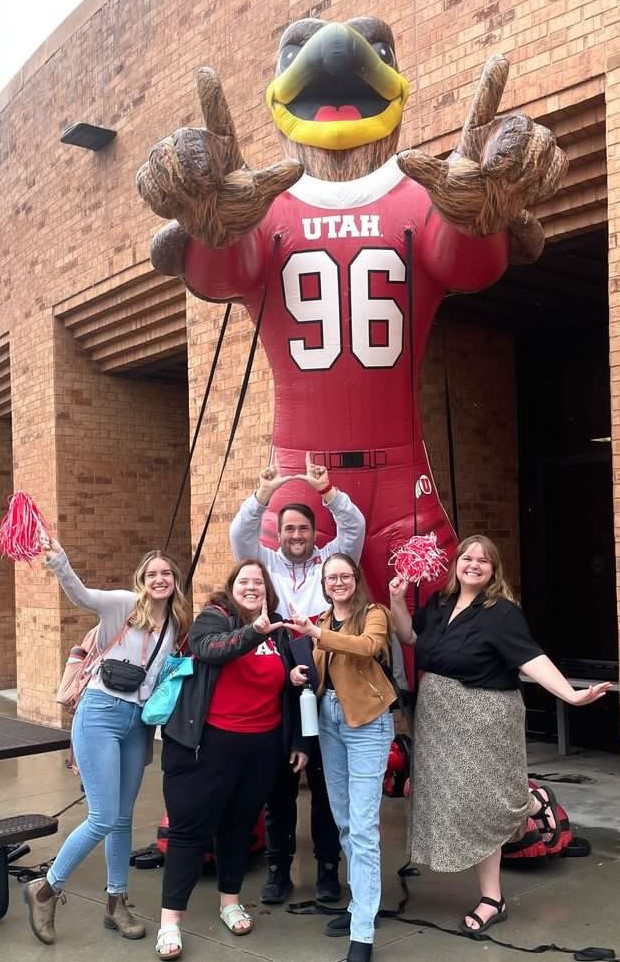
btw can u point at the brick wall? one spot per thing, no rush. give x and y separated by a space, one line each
72 219
120 452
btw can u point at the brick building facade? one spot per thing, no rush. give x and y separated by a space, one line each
103 363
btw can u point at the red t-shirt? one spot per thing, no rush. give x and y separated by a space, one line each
247 693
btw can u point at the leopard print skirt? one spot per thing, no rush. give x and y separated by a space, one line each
469 775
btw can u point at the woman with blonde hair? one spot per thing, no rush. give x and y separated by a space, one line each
470 790
355 733
110 741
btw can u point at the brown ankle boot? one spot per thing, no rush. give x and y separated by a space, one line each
117 916
41 914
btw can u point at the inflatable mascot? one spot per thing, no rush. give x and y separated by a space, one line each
344 250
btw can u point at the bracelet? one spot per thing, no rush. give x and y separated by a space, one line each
326 489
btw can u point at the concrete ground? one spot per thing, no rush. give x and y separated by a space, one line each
572 902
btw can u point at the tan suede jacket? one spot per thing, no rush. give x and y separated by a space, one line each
363 689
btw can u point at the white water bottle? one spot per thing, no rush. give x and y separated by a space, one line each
309 714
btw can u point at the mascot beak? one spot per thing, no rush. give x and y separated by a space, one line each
337 91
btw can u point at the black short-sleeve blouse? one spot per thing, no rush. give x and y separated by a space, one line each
481 647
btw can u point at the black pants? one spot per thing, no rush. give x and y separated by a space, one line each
281 814
218 792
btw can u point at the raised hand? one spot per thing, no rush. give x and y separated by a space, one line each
398 588
263 624
52 548
198 176
301 624
270 480
316 475
501 166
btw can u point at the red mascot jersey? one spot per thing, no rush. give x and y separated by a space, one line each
342 311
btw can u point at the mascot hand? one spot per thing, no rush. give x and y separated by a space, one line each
198 177
501 166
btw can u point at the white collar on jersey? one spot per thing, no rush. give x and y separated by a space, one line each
348 193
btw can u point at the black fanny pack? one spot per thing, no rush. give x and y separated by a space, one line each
123 675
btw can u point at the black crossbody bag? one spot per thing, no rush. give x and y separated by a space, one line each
123 675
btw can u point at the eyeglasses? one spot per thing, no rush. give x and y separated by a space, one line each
334 579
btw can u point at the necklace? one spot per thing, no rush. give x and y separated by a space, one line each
460 607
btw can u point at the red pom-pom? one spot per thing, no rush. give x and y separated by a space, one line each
24 532
420 559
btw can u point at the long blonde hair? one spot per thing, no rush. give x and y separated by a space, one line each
497 587
178 604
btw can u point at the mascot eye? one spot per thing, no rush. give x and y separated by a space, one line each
287 55
385 52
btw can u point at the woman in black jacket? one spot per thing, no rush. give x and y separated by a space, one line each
223 745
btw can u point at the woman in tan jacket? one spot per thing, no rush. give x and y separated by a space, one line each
355 732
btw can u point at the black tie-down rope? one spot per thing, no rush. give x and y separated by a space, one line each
203 408
24 873
235 421
313 907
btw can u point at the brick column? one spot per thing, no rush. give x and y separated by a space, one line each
110 456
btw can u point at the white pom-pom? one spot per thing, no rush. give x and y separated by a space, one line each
420 559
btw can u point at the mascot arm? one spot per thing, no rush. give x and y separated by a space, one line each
458 261
350 527
198 176
502 166
227 273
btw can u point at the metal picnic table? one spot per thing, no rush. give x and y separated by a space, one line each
19 738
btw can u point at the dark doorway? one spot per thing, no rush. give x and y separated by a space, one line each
558 313
567 526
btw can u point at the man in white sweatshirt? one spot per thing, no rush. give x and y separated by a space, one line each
295 569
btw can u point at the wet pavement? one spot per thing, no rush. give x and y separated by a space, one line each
572 902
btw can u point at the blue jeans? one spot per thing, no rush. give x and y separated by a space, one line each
354 760
110 744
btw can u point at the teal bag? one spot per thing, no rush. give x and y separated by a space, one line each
159 706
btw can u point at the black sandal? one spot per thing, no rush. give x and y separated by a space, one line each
500 916
549 805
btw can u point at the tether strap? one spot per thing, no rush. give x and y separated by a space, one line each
312 907
235 422
414 397
590 952
67 807
450 431
201 415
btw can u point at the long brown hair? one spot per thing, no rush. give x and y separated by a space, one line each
360 600
178 605
497 587
225 597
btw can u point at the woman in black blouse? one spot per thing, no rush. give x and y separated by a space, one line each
470 791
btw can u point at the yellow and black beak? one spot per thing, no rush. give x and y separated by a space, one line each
336 91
